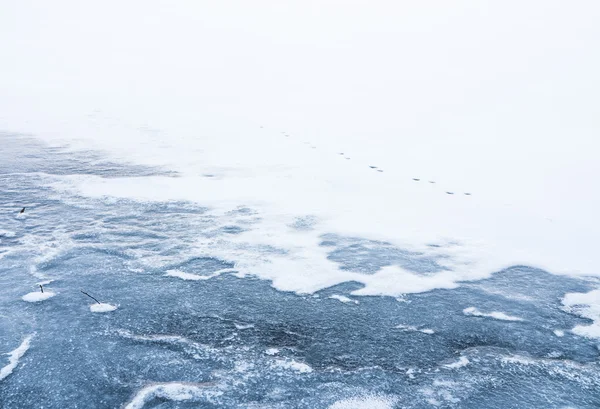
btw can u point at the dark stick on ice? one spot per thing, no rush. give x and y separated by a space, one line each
42 288
416 180
90 296
449 193
22 210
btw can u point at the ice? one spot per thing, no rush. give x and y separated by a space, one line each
343 299
38 296
365 402
213 131
494 314
586 305
14 356
102 307
173 391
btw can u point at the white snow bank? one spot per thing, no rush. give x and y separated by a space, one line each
365 402
494 314
343 299
38 296
585 305
462 361
14 356
102 307
175 391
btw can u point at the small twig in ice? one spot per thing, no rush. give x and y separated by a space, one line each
90 296
42 288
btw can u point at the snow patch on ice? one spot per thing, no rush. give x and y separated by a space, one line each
272 351
243 326
343 299
102 307
586 305
195 277
38 296
14 356
174 391
416 329
462 361
494 314
365 402
559 333
293 365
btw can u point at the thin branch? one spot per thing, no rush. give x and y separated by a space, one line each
90 296
42 288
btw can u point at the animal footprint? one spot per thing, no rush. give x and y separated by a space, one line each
449 193
416 180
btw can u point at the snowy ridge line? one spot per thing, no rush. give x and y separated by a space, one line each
14 356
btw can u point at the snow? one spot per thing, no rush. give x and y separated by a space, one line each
241 326
343 299
494 314
14 356
293 365
102 307
173 391
272 351
185 276
586 305
365 402
195 277
462 361
413 328
6 233
483 115
559 333
38 296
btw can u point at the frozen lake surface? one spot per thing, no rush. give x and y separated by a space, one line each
177 327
